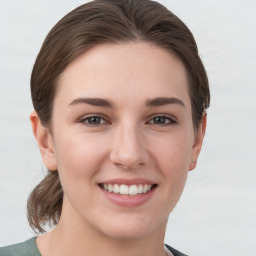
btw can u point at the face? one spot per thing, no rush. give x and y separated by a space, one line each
122 139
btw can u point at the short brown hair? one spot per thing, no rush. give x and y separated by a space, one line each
91 24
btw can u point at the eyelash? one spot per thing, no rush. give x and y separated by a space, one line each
94 116
167 120
170 120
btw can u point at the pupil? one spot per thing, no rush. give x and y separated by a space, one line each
160 120
94 120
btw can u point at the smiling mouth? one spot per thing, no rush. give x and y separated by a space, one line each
131 190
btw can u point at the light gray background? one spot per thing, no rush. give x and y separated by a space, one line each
216 214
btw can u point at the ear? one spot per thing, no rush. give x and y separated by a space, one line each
45 142
199 137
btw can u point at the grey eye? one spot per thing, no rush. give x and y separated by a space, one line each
94 120
161 120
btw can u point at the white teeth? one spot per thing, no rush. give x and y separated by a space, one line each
110 188
140 189
116 189
145 188
131 190
124 190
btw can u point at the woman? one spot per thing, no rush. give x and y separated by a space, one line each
120 95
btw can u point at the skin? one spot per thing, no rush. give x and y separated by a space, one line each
129 141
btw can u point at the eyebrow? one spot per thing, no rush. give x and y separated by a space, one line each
98 102
161 101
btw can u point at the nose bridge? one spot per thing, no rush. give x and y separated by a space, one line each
128 149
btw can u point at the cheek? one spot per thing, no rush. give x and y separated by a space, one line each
173 159
173 152
78 157
79 160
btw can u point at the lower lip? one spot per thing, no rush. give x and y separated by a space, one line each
128 201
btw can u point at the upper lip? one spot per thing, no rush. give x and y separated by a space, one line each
124 181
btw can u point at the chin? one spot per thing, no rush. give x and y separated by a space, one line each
130 228
124 234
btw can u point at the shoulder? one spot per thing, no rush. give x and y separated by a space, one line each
174 251
27 248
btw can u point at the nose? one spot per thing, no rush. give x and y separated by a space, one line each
129 148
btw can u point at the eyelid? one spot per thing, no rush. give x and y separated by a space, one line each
97 115
173 120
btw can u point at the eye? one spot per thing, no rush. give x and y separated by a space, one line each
162 120
93 120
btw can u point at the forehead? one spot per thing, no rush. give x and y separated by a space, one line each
130 69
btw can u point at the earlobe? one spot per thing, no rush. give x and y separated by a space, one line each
198 142
44 141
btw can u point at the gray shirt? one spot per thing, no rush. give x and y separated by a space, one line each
29 248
